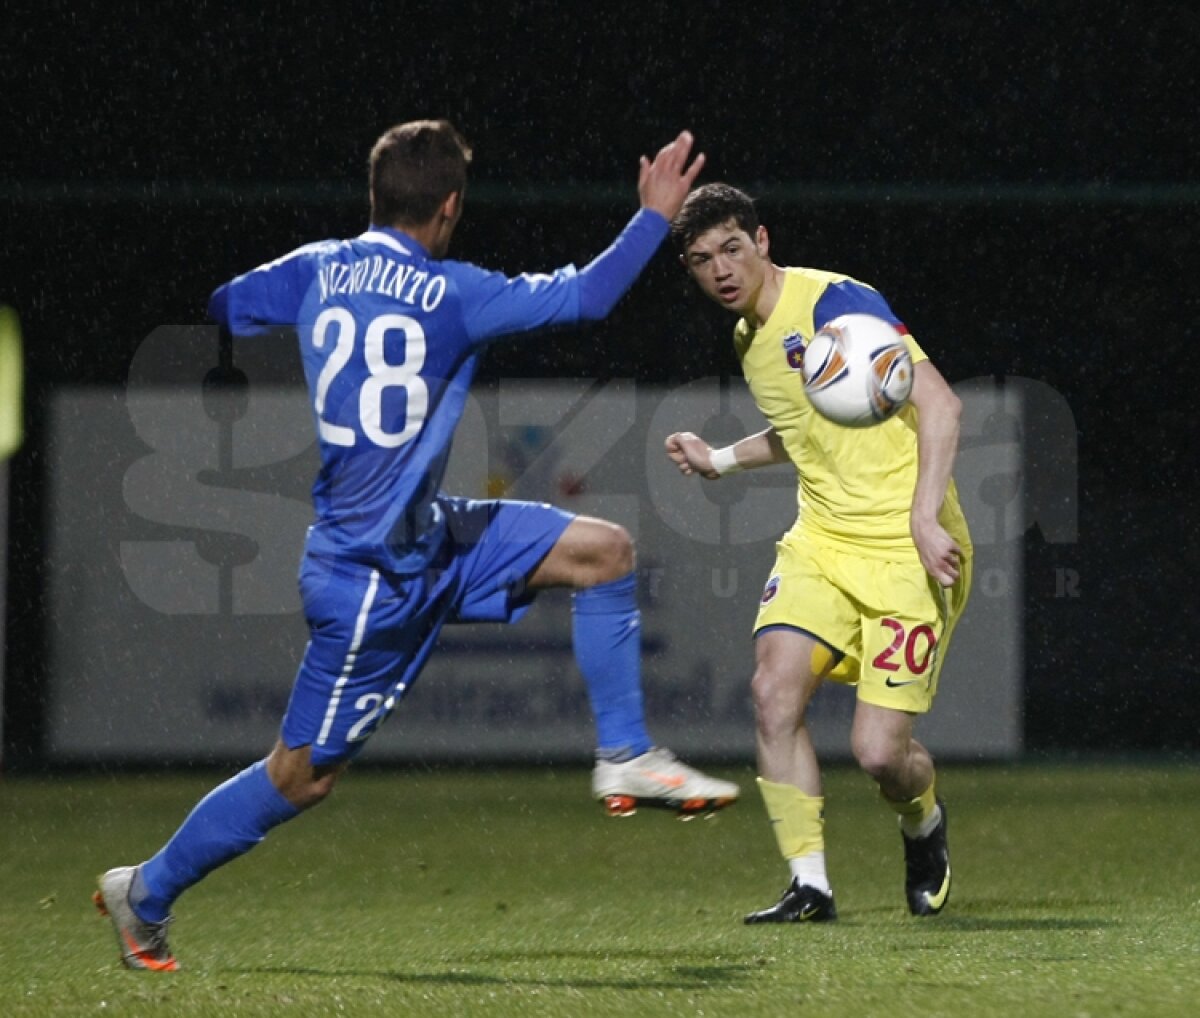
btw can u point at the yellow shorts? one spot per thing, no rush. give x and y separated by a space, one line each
890 619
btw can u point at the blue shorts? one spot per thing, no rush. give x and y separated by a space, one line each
371 632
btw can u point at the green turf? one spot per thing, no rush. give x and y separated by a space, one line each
1077 893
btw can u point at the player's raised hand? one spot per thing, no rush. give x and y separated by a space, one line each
665 181
691 454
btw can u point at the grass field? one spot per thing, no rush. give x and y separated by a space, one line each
1077 893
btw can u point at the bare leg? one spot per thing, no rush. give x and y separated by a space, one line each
590 552
884 746
783 685
885 749
789 667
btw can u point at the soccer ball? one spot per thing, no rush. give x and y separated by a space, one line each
857 371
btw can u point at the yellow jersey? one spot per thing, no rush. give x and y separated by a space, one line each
856 484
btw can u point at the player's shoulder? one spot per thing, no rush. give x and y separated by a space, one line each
475 283
821 282
298 266
824 276
305 252
840 294
467 270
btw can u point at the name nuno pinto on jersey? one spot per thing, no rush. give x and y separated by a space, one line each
386 276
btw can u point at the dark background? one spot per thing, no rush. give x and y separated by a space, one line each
1023 184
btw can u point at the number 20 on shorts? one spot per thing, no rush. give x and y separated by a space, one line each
916 645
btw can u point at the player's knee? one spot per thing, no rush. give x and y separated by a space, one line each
881 760
320 788
298 780
614 552
777 709
310 791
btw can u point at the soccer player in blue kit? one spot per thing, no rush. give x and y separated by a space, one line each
391 335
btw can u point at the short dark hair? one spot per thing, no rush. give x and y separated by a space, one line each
413 167
712 205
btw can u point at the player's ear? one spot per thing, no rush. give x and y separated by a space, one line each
762 243
451 207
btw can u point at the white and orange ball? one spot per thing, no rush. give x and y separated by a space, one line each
857 371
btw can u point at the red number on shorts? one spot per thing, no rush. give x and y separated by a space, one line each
909 641
884 658
910 649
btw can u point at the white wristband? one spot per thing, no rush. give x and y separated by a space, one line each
724 461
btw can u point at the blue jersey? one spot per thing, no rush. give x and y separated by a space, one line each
390 339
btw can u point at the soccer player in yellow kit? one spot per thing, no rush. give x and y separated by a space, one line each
869 582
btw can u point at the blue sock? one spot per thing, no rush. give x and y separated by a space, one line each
226 823
608 648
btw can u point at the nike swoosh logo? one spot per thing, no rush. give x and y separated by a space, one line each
808 912
936 901
908 682
146 958
670 780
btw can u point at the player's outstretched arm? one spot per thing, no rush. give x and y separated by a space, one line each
938 410
664 182
692 455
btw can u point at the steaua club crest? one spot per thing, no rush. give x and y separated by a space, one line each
770 590
793 349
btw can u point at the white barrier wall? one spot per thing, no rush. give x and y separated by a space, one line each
177 518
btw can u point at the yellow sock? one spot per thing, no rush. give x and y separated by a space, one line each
917 815
797 819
